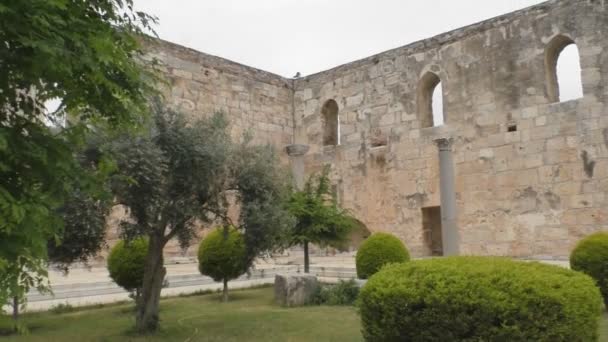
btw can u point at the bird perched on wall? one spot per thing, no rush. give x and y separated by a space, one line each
297 75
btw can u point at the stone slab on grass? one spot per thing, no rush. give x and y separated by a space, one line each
294 289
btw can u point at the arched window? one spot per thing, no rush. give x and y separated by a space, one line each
430 101
563 70
331 125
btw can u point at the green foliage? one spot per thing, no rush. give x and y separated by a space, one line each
378 250
343 293
62 308
126 263
83 53
83 236
590 256
263 189
181 174
222 254
319 219
85 210
479 299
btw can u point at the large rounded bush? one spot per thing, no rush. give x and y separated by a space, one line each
479 299
378 250
590 256
126 263
222 255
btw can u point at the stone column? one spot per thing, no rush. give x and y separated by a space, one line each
449 224
296 154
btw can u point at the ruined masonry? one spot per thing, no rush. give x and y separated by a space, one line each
512 172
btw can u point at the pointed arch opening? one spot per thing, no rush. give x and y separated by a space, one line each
563 70
331 124
430 101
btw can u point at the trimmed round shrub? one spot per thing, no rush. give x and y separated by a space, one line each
222 255
378 250
479 299
126 263
590 256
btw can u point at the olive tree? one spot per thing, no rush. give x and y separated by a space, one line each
181 174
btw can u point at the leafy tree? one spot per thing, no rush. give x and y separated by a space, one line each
84 213
183 174
221 256
319 220
18 280
83 53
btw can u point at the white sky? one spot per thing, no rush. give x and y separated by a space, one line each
287 36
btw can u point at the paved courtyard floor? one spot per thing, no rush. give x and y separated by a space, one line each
87 286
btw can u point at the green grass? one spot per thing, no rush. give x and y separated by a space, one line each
250 316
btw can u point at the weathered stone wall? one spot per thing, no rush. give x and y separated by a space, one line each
529 193
201 84
198 85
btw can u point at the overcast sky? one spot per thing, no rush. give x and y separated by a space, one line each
287 36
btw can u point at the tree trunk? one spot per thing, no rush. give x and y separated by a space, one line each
16 312
306 259
154 275
137 298
225 292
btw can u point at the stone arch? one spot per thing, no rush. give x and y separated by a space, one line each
553 53
355 238
331 124
427 86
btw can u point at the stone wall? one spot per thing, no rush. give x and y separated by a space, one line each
199 84
532 192
531 173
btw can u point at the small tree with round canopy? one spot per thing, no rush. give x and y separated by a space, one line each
319 219
222 256
126 264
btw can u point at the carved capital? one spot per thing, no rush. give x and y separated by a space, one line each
297 150
444 144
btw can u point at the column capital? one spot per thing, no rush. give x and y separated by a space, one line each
296 150
444 144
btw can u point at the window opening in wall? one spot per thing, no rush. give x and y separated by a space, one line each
430 101
431 225
563 68
437 104
331 124
512 128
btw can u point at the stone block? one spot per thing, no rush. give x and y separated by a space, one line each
294 289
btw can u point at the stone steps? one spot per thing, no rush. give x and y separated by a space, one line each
104 291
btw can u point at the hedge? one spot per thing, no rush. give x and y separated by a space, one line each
479 299
378 250
590 256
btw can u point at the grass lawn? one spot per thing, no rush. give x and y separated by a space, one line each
250 316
